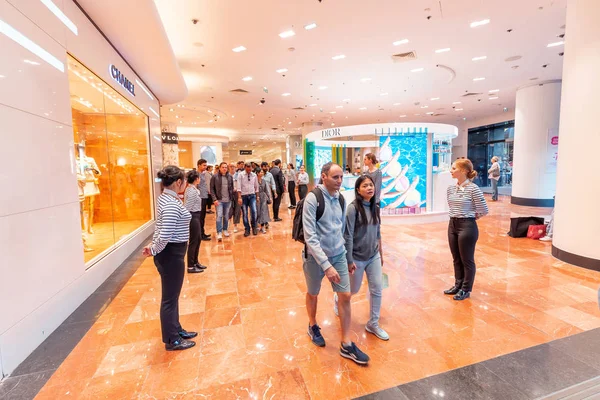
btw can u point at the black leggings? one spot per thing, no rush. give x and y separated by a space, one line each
171 268
302 191
195 239
292 192
462 237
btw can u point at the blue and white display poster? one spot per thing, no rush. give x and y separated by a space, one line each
404 169
322 156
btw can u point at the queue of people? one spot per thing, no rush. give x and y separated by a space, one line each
248 189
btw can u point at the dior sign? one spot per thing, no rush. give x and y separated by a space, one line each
327 133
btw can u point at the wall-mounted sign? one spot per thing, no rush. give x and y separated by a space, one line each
170 138
121 79
245 152
327 133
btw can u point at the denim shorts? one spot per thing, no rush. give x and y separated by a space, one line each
314 274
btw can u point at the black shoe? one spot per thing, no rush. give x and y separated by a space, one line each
462 295
267 226
292 207
453 290
187 335
200 266
206 237
182 344
315 335
254 231
209 212
194 270
246 233
353 353
277 220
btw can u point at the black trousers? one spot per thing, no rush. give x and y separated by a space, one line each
203 216
292 192
195 239
236 209
276 204
171 268
462 237
302 191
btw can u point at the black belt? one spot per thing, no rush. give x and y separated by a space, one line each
462 219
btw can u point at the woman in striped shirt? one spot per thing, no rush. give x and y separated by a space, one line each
467 205
193 203
168 248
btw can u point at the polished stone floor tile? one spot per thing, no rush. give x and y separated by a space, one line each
580 347
249 310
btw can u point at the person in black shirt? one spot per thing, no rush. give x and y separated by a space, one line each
280 188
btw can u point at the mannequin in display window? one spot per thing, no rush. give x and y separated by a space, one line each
81 187
87 167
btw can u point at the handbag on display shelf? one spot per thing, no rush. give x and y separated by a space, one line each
536 232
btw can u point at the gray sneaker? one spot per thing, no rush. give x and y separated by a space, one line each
315 335
377 331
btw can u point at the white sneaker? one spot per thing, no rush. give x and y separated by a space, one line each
219 237
235 229
546 239
335 304
377 331
226 233
263 230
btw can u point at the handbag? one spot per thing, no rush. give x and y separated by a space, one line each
536 232
496 172
519 226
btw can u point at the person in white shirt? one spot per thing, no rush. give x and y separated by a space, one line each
290 175
303 179
494 177
248 189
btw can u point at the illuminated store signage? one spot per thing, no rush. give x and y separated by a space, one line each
170 138
327 133
121 79
245 152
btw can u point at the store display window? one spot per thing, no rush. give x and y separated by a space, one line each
111 143
488 141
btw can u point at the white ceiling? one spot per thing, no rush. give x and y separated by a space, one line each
363 31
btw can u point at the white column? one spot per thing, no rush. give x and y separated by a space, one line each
577 212
537 116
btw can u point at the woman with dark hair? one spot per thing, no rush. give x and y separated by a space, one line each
466 204
193 203
364 252
290 175
374 173
168 247
302 183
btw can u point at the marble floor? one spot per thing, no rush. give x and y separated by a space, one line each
249 309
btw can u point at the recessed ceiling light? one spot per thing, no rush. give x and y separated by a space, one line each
310 26
383 94
365 79
247 79
399 42
170 109
322 87
239 49
447 49
332 124
397 104
282 70
339 107
457 102
339 57
479 58
403 116
312 105
363 108
480 23
424 106
286 94
289 123
556 44
417 70
346 100
458 109
332 112
434 98
233 116
478 79
177 116
493 98
494 91
31 62
287 34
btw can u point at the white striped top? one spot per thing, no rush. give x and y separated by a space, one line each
192 200
172 222
466 201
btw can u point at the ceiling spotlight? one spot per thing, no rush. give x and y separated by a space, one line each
443 50
417 70
478 79
480 23
287 34
282 70
239 49
339 57
556 44
247 79
399 42
479 58
310 26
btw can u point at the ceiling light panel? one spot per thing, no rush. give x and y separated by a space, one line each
310 26
480 23
493 98
287 34
247 79
479 58
282 70
338 57
322 87
555 44
400 42
286 94
365 79
434 98
417 70
239 49
478 79
443 50
494 91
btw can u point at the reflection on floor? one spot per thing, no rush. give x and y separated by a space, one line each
249 310
104 236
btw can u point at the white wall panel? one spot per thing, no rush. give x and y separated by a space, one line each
41 16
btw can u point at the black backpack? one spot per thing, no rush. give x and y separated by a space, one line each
298 226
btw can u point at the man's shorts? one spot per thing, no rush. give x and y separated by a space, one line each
314 274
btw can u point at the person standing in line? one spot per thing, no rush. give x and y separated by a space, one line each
264 199
302 183
466 204
236 212
290 175
374 173
203 188
168 247
364 251
221 189
193 203
209 203
494 177
279 188
325 255
268 177
248 189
